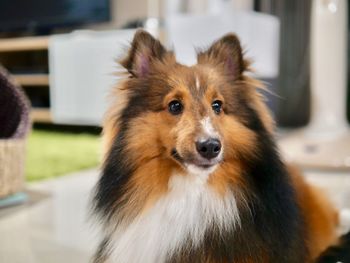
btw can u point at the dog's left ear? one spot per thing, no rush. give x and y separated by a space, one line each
144 50
227 53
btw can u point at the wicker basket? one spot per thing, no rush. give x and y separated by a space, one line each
14 128
12 155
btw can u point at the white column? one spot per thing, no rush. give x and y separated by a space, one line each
328 67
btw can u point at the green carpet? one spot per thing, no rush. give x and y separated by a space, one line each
51 153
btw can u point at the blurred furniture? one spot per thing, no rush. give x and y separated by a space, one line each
27 60
83 67
15 125
325 142
67 77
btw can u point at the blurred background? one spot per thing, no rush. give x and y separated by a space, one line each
57 65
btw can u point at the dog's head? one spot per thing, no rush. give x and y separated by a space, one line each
193 117
190 156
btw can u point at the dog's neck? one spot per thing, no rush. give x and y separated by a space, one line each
179 220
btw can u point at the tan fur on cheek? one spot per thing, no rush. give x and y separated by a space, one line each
144 137
237 138
141 142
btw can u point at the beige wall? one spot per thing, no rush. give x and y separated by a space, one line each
126 10
123 11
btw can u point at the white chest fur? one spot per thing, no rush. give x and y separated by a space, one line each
185 213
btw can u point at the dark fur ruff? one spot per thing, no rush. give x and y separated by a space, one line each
272 228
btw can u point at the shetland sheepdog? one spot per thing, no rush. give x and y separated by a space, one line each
192 173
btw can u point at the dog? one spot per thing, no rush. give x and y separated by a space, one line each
192 173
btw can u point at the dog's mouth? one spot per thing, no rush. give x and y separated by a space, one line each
199 162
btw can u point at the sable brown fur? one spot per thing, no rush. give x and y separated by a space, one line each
282 218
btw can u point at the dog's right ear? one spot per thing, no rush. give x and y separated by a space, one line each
226 52
144 50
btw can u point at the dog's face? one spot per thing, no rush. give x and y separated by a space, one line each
193 118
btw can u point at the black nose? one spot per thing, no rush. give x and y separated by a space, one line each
209 149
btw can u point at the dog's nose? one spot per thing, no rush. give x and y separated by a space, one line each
209 149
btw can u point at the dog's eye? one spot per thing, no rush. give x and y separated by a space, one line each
175 107
216 106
